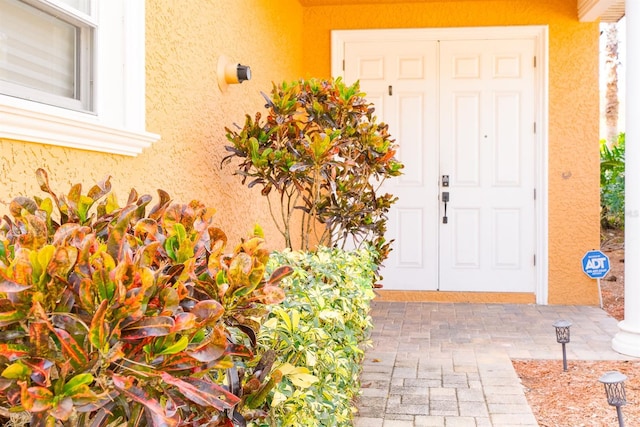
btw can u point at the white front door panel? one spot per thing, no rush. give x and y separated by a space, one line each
464 109
487 150
400 79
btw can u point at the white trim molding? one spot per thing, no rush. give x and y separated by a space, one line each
117 124
627 340
31 125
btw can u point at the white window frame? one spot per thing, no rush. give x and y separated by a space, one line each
84 26
117 123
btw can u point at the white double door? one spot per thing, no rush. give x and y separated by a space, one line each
462 112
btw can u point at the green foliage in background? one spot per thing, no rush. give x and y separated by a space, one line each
319 334
612 166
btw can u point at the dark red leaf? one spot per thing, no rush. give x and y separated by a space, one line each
9 286
157 326
208 311
203 392
239 350
279 274
155 410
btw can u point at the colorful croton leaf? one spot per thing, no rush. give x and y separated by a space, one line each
321 149
112 315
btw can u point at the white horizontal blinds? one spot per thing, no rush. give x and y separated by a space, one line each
81 5
38 50
45 51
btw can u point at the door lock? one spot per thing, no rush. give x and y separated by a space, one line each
445 200
445 180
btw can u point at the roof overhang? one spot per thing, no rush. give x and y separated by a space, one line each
588 10
605 10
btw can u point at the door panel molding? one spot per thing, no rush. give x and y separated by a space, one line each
504 67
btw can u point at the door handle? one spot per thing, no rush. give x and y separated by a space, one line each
445 200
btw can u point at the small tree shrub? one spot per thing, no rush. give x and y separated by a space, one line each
612 166
113 316
325 156
319 334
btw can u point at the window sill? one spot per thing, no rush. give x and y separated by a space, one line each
70 129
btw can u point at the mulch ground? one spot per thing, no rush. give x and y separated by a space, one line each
575 398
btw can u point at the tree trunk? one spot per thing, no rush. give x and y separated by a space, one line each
611 65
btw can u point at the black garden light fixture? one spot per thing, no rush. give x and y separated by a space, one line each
614 387
562 336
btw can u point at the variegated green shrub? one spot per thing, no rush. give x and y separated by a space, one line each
319 334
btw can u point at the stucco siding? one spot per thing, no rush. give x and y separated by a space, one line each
185 106
573 108
282 40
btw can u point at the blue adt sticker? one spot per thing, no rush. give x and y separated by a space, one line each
595 264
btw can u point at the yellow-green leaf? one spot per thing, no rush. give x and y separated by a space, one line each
177 347
298 375
16 371
76 384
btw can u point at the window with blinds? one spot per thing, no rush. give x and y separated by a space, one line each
46 51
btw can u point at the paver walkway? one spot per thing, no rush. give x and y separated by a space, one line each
449 365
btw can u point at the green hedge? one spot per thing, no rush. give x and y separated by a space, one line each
319 334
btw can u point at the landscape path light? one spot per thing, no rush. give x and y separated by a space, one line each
562 335
614 387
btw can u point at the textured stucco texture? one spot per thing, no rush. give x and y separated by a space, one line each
283 40
185 106
573 199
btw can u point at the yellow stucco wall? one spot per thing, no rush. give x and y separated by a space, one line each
282 40
185 106
573 107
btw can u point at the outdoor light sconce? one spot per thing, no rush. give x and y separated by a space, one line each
231 72
562 335
614 387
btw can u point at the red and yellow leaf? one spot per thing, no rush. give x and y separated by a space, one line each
9 313
279 274
64 258
212 349
35 399
71 349
99 329
208 311
203 392
13 351
271 295
157 326
184 321
155 410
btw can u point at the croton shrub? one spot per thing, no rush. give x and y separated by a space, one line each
319 334
119 315
321 149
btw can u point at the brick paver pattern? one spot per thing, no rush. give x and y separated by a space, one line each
449 364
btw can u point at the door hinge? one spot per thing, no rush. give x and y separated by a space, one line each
390 90
534 260
535 194
535 60
343 65
534 127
